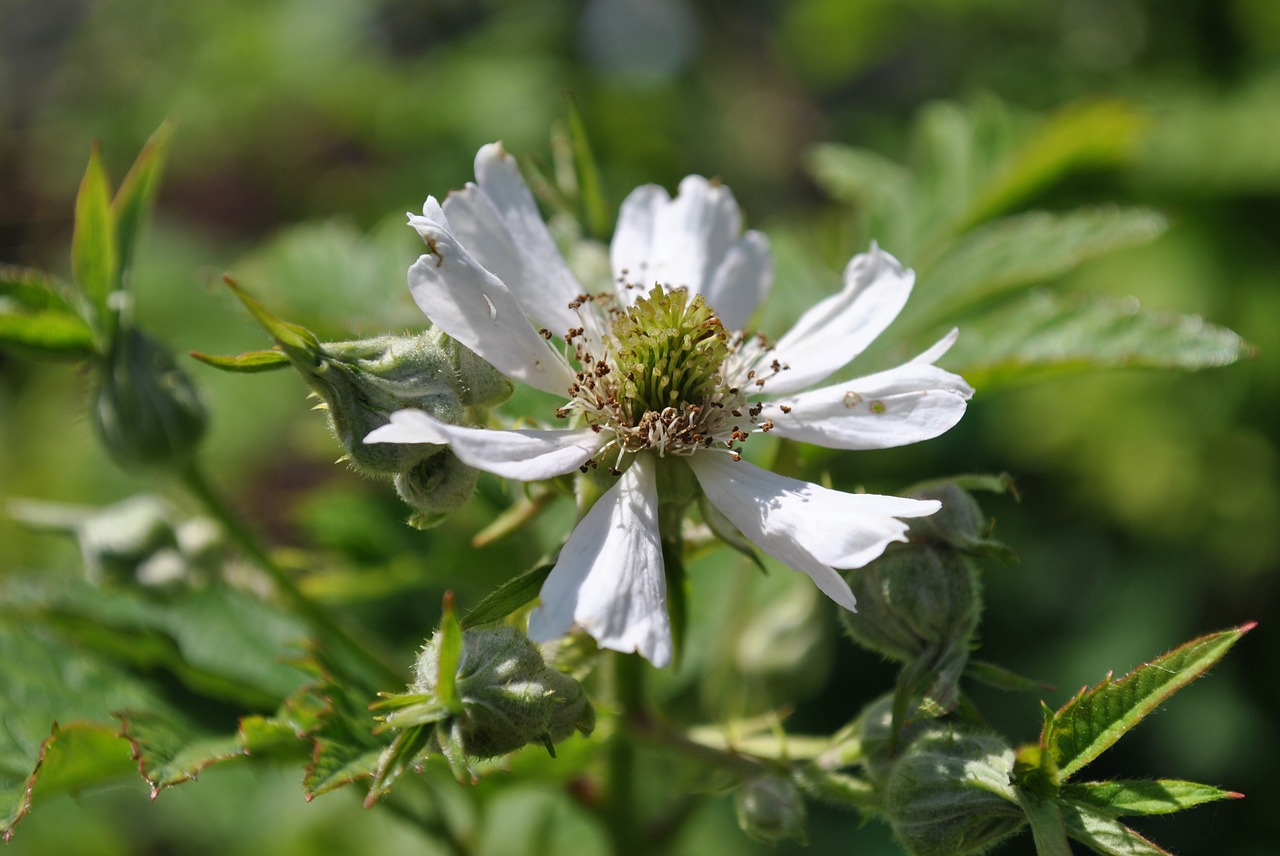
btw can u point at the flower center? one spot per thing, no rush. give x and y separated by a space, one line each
657 375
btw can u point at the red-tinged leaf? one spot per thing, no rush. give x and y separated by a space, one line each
71 758
94 255
1152 796
170 751
1097 717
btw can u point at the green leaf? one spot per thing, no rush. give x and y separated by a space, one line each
514 594
1159 796
30 289
1096 718
450 655
133 199
1086 134
398 757
250 362
48 333
70 759
1009 254
46 680
1047 826
1043 333
1103 834
298 342
94 254
1000 678
595 210
170 751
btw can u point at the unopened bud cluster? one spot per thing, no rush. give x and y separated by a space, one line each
770 808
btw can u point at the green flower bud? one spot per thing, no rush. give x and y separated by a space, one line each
915 600
960 524
436 487
770 808
146 410
949 794
363 382
871 736
509 696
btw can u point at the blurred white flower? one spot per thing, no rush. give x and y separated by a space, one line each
660 374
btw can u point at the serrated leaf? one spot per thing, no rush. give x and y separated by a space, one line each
514 594
1097 717
250 362
1043 333
133 199
1022 250
1153 796
57 333
71 758
1086 134
45 681
1106 835
170 751
94 254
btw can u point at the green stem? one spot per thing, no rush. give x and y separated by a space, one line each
376 670
620 808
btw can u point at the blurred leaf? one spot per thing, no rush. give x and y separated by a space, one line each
508 597
1042 333
49 332
45 681
1103 834
1158 796
1086 134
133 199
71 758
1096 718
1023 250
595 209
1000 678
94 256
170 751
31 289
857 176
250 362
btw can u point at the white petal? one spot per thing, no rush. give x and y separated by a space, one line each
498 222
913 402
522 455
473 306
676 242
741 280
609 577
805 526
839 328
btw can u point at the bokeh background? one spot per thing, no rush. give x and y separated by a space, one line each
1149 501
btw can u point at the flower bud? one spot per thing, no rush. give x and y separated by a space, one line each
960 524
509 696
914 600
146 410
949 794
436 487
770 808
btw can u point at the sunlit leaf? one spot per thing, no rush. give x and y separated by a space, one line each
1103 834
595 209
1044 333
133 199
250 362
1153 796
514 594
1097 717
94 252
1024 250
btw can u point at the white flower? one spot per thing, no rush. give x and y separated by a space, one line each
655 375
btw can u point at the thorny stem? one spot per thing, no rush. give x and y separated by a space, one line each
376 670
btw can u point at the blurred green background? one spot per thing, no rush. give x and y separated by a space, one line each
305 128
